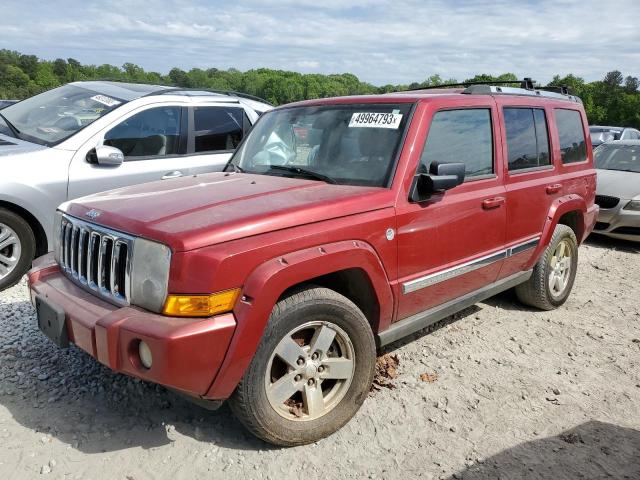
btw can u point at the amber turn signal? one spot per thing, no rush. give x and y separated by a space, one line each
201 305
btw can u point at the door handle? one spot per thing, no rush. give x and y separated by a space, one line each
491 203
174 174
555 188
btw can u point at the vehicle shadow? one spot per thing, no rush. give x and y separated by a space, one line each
65 394
603 241
593 450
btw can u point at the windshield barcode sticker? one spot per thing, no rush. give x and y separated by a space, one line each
108 101
375 120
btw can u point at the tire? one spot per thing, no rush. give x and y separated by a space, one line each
18 248
298 323
544 290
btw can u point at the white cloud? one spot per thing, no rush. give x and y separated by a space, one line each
380 41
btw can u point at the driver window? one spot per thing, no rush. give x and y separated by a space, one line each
153 132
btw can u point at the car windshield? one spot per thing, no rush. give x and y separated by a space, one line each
618 157
55 115
354 144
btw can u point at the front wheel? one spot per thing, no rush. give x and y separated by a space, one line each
17 248
312 371
554 274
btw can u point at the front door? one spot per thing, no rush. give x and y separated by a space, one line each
153 142
453 243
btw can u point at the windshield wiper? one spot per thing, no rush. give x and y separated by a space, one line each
304 171
16 132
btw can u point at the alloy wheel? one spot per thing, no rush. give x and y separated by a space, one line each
560 269
310 371
10 250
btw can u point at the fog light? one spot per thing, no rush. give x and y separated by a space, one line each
144 352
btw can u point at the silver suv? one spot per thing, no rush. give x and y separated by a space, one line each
87 137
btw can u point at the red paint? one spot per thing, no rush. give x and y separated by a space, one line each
265 234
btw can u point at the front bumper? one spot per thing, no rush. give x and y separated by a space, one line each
619 223
187 353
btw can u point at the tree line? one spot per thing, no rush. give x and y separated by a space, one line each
614 100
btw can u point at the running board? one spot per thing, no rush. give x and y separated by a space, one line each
424 319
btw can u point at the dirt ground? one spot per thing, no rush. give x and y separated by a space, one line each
499 391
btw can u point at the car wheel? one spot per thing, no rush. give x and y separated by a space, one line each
17 248
311 372
554 274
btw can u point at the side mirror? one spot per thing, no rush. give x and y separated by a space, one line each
105 155
441 176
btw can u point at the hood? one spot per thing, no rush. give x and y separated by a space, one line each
14 146
615 183
197 211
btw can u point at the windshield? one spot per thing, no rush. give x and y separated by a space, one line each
53 116
618 157
352 144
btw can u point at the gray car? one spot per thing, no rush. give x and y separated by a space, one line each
618 191
87 137
601 134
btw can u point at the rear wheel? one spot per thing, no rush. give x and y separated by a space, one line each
554 274
17 248
312 371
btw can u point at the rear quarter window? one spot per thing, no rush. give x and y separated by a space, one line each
573 146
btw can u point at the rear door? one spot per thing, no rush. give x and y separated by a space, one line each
530 173
453 243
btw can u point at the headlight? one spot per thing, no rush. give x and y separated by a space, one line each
150 274
633 205
57 227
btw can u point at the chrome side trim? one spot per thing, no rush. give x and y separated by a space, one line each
417 322
449 273
521 247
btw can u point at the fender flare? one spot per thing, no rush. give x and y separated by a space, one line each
271 279
560 206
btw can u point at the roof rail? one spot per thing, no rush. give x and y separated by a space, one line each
230 93
524 83
527 87
536 92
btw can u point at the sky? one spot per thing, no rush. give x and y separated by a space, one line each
381 42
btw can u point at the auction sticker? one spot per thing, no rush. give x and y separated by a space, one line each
108 101
375 120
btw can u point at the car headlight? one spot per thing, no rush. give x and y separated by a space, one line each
150 274
633 205
57 232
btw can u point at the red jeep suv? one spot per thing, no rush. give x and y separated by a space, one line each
272 283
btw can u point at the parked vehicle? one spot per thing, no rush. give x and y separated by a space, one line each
600 134
270 284
86 137
618 192
6 103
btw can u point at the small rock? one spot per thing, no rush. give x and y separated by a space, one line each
45 470
556 391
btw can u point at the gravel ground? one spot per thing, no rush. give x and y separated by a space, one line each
499 391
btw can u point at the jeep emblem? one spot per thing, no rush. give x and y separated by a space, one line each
93 213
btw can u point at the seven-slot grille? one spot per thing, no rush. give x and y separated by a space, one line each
605 201
96 258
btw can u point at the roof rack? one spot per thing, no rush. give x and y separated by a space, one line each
230 93
527 87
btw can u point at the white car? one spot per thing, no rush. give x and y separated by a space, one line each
87 137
